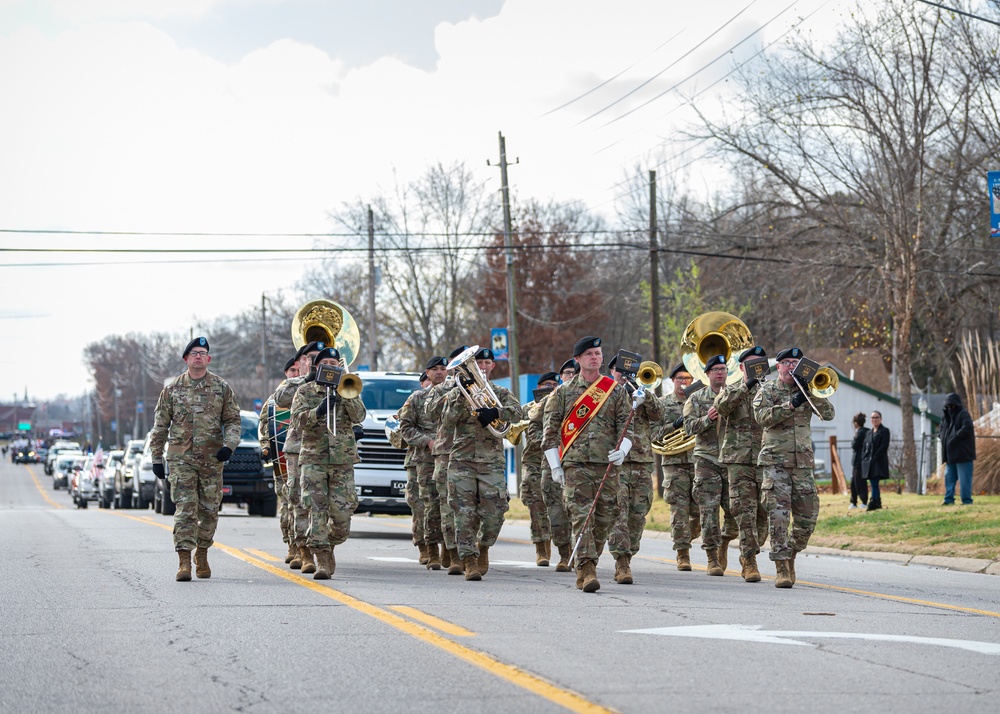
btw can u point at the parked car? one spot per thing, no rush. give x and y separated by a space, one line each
63 466
143 479
125 476
83 482
380 478
106 477
56 449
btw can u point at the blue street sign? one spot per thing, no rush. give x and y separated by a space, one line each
993 182
498 343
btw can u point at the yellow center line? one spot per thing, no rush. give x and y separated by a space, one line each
533 683
265 556
448 628
868 593
41 490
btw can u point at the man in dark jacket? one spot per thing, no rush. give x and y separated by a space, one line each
958 449
875 459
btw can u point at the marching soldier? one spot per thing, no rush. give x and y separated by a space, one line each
198 415
582 424
678 474
477 479
740 447
780 407
279 469
326 463
417 430
531 476
552 492
635 495
300 513
413 499
711 482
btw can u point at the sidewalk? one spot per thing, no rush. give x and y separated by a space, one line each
965 565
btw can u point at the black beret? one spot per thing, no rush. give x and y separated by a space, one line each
435 361
679 368
325 353
196 342
756 351
570 364
613 362
792 352
302 351
485 353
313 347
585 344
712 361
457 351
424 377
289 364
548 377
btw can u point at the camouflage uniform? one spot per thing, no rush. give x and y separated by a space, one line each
635 476
552 492
678 481
326 464
786 454
741 435
439 510
418 430
531 477
711 482
477 483
298 512
194 419
280 476
586 462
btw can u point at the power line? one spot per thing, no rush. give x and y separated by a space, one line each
960 12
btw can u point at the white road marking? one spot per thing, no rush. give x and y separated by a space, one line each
753 633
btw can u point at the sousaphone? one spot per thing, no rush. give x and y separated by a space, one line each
326 321
715 333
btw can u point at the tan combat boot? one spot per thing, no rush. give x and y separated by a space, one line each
750 572
782 579
333 562
713 562
548 550
292 552
424 557
563 565
201 568
590 582
456 567
791 567
184 567
623 570
684 560
308 562
541 555
445 557
296 562
323 566
724 555
484 559
579 576
472 568
433 557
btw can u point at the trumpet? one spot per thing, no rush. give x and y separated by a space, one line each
476 388
676 442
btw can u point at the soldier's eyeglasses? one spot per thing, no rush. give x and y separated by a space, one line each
197 353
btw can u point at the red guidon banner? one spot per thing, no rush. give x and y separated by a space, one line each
583 410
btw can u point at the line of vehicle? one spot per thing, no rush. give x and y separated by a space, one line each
565 698
854 591
41 490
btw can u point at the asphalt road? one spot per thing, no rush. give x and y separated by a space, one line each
92 620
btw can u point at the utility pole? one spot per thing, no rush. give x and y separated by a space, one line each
515 372
372 323
263 346
654 270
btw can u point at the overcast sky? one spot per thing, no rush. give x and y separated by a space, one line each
260 116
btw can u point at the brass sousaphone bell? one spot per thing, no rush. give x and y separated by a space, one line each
326 321
715 333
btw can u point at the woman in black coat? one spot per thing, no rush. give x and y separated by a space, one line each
875 459
859 488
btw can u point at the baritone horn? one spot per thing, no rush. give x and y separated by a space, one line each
476 388
676 442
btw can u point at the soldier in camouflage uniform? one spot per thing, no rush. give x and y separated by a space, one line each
439 511
678 473
302 558
552 492
198 420
280 477
531 476
413 499
583 466
711 482
418 431
740 447
477 478
326 463
635 476
786 454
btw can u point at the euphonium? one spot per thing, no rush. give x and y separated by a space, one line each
476 388
676 442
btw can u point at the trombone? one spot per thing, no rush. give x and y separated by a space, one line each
823 385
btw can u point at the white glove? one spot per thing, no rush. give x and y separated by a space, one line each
558 475
638 397
617 457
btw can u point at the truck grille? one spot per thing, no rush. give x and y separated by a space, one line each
374 448
243 461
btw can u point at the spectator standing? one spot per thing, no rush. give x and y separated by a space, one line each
859 488
958 449
875 459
